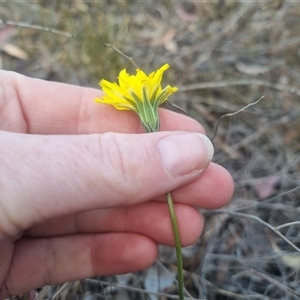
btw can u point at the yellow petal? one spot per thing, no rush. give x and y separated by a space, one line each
140 87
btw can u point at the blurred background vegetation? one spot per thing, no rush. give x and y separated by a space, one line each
223 56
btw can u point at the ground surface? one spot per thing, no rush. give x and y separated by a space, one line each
223 56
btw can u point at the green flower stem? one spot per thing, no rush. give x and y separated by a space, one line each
177 246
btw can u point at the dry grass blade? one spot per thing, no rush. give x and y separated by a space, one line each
280 285
233 114
259 220
123 54
139 290
34 26
219 84
288 224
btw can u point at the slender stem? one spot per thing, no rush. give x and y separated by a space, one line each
177 246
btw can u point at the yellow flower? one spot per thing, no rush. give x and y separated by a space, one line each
140 93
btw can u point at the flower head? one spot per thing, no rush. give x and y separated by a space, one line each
140 93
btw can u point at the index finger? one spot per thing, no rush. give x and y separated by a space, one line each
41 107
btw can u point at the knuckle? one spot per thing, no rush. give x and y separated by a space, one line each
118 157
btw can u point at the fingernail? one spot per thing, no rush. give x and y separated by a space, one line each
185 153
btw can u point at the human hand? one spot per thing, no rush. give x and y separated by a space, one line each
77 201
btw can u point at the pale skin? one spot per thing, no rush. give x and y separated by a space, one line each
77 201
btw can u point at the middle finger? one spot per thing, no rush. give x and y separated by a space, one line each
151 219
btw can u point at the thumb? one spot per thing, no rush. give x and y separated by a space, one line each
45 177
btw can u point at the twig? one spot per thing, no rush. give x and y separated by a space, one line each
232 114
123 54
39 27
257 219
